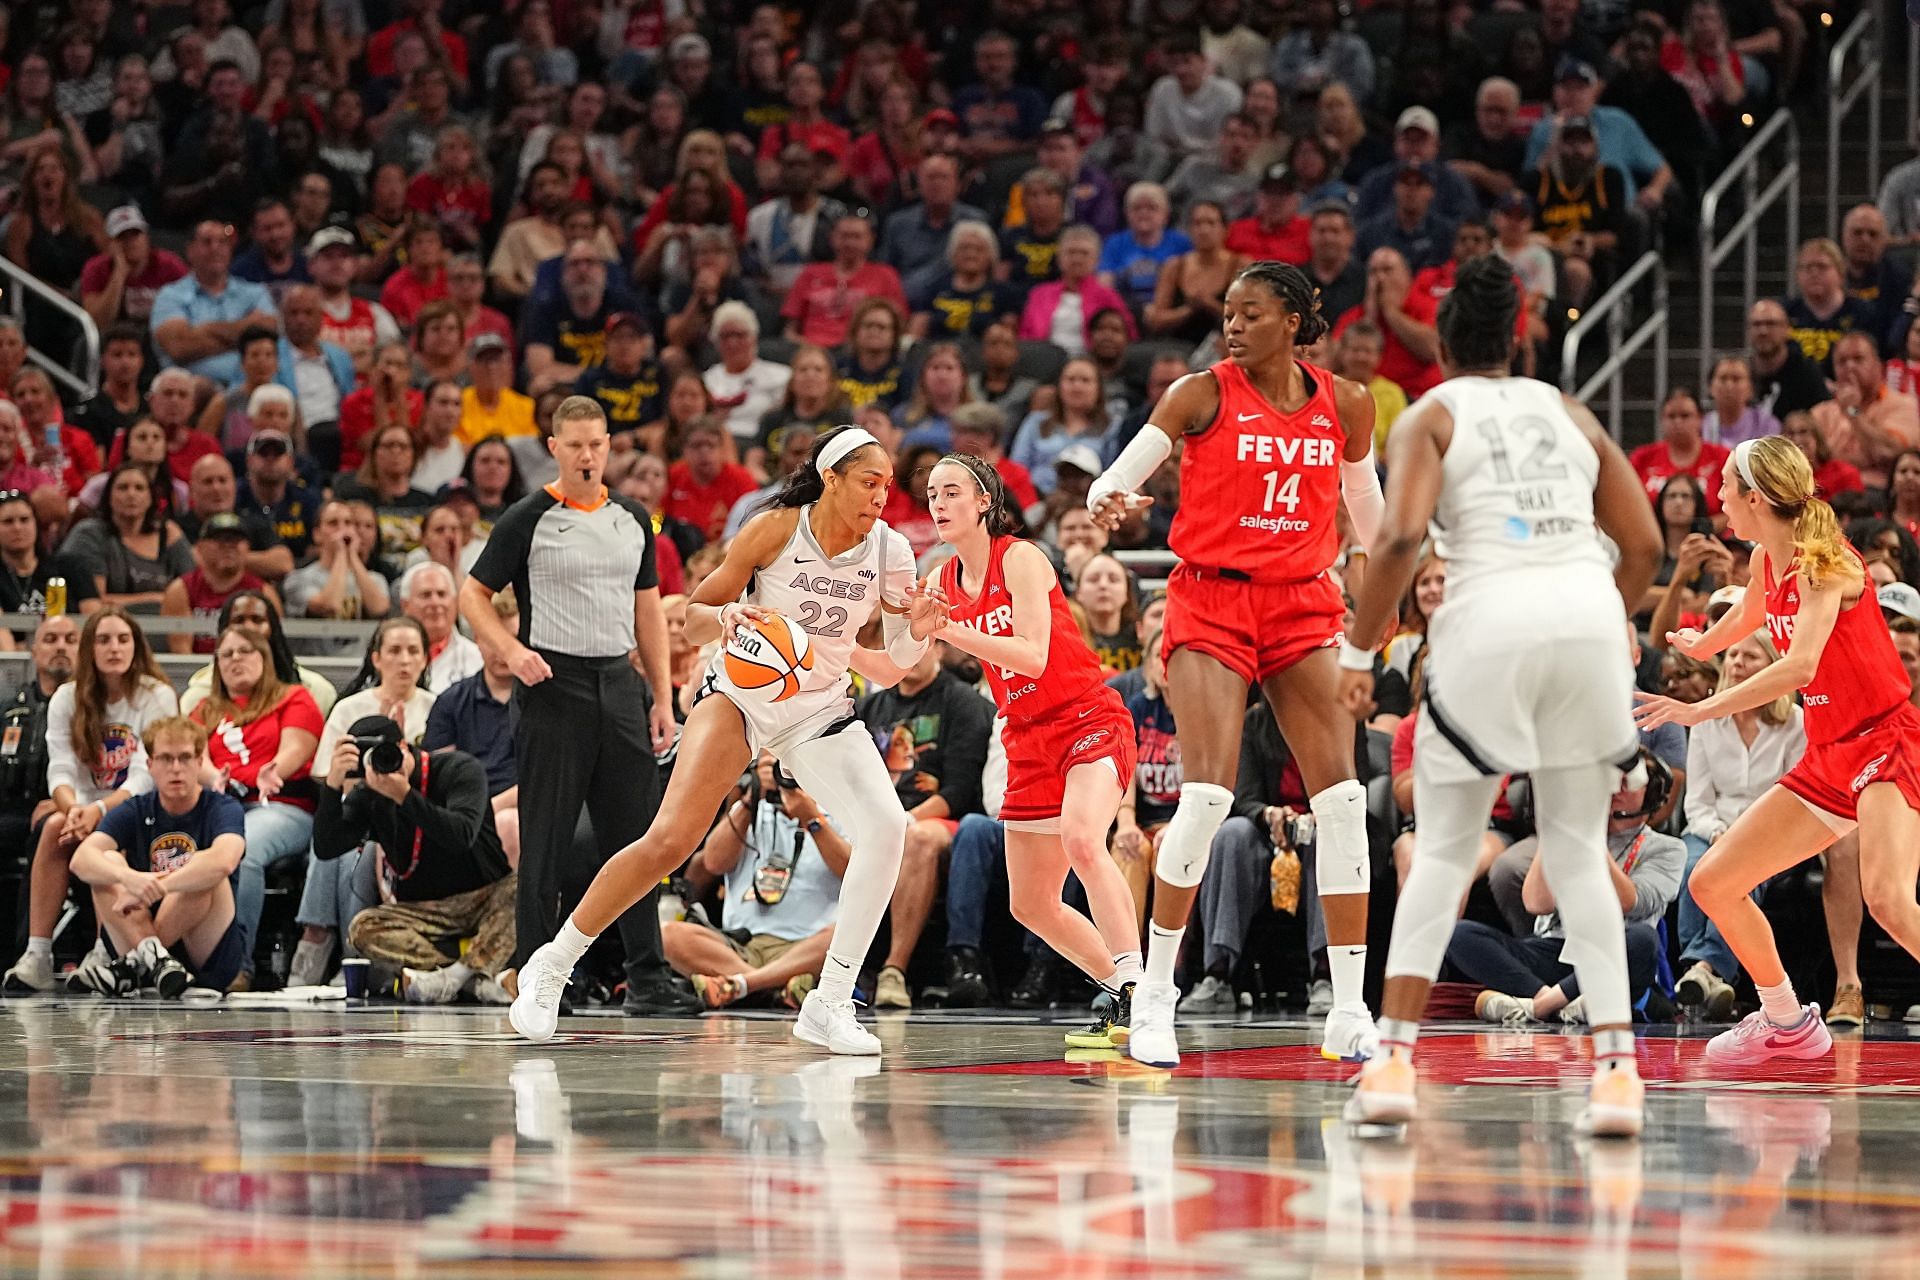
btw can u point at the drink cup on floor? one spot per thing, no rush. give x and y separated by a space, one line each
354 970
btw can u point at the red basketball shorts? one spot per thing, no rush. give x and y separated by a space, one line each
1253 628
1831 776
1041 752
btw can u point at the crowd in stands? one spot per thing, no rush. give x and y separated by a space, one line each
346 256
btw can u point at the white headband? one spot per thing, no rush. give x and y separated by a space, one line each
844 442
1742 461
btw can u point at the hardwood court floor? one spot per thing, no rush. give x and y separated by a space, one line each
163 1141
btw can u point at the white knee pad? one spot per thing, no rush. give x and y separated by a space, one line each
1340 864
1184 845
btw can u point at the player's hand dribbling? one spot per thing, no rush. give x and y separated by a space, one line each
528 667
738 614
1112 508
1689 641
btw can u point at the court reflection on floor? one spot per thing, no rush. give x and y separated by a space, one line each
387 1142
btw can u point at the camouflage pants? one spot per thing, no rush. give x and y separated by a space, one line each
409 933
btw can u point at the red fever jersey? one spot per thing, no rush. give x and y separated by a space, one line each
1071 667
1859 679
1270 480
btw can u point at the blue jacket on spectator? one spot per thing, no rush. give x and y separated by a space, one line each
339 364
1623 144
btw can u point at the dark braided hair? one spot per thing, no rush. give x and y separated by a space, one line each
1296 290
1476 319
1000 517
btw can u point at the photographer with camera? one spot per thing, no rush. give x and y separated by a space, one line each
782 861
442 873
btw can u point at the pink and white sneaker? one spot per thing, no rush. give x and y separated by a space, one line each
1755 1040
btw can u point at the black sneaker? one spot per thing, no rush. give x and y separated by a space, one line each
1041 987
117 977
660 991
966 983
154 968
1112 1015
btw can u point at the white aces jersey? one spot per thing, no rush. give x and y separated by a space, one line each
832 598
1517 487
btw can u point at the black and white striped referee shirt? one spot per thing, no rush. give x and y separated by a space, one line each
573 570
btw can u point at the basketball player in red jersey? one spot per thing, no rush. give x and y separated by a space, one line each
1862 765
1272 446
1069 739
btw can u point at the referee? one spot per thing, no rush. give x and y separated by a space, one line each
580 562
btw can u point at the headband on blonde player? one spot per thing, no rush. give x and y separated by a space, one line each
1775 469
1000 517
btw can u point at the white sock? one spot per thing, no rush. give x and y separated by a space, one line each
571 942
42 947
836 977
150 950
1349 968
1398 1034
1126 968
1782 1007
1163 951
1613 1051
460 971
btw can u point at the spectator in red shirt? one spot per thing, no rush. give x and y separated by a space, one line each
425 277
1277 231
170 402
807 125
453 192
1681 448
1831 475
422 16
77 456
120 283
385 399
703 486
824 294
1411 352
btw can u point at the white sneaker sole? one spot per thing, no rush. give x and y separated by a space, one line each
1163 1062
1611 1122
520 1015
1365 1107
824 1040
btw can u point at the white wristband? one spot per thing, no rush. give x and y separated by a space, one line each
1354 658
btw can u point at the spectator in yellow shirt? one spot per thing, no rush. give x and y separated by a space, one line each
491 407
1356 357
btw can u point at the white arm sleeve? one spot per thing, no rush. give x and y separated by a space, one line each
898 578
1140 459
1360 486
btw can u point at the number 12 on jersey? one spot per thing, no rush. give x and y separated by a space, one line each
1287 491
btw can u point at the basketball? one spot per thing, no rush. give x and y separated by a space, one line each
766 658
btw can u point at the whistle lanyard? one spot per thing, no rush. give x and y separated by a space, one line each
1626 864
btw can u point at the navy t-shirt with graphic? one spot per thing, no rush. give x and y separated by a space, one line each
156 841
1158 771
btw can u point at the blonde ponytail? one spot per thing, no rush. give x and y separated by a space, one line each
1822 548
1775 468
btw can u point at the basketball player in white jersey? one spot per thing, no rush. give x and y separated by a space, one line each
824 559
1527 670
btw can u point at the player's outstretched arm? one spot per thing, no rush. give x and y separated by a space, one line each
1188 406
757 543
1819 611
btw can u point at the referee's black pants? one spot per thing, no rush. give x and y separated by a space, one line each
583 739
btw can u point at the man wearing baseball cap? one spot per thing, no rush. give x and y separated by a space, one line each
1275 230
1411 225
1900 605
355 325
490 406
221 574
1416 144
119 284
1623 144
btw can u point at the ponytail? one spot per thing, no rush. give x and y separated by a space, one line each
1823 552
1774 467
805 484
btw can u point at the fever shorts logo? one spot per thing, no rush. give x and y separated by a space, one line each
1086 742
1866 775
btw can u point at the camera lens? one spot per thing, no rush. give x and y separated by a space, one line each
383 757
